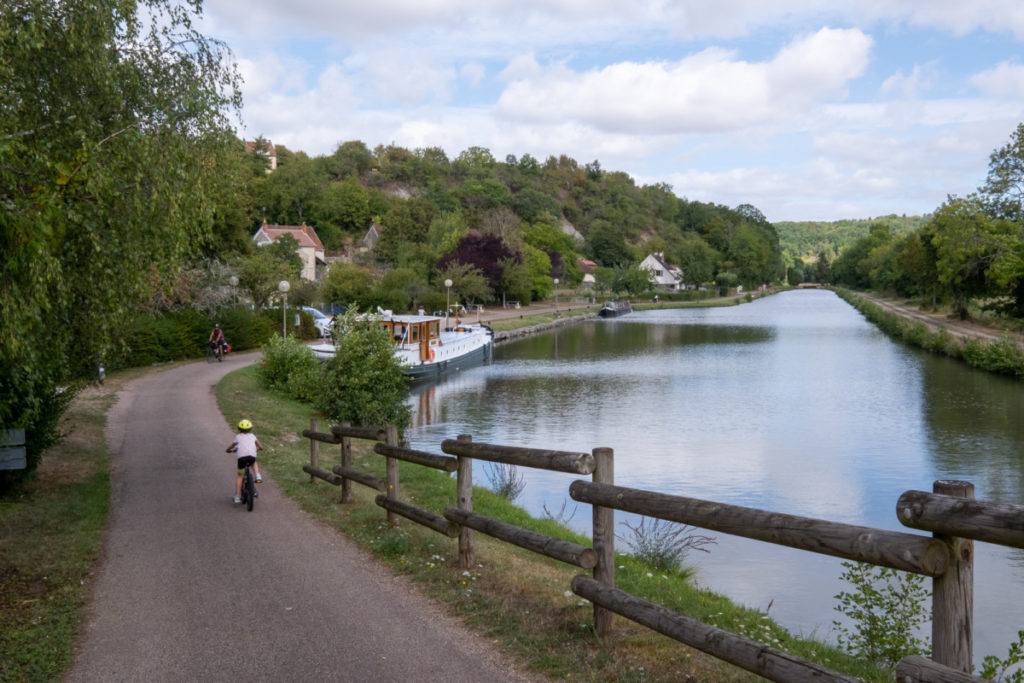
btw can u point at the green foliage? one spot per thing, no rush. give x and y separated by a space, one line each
347 283
810 238
115 125
363 383
999 670
886 608
290 368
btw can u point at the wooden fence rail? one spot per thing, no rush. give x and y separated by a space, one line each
949 512
905 552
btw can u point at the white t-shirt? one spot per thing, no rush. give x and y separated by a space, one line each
246 444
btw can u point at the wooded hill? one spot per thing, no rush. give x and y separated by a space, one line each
807 240
546 214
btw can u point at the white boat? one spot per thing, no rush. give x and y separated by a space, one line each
429 346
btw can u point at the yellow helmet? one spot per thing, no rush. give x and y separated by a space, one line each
245 424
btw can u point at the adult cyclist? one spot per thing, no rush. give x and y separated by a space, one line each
217 341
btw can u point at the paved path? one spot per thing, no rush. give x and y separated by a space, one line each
193 588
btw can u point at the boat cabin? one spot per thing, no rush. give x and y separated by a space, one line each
415 331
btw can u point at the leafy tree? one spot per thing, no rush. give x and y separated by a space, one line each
259 274
468 283
483 252
696 258
538 268
352 158
363 382
115 126
407 221
399 290
346 284
606 244
1003 190
342 208
966 247
286 250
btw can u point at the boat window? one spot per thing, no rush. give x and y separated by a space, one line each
435 329
415 333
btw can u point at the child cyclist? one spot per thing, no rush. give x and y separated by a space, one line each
246 444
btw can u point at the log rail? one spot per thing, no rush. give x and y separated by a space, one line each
950 512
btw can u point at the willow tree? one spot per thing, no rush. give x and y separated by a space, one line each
113 121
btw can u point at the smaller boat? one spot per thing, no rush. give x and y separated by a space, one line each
615 307
429 346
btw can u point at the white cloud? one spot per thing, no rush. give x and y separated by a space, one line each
1005 80
712 90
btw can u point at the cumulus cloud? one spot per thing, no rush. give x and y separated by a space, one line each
712 90
1005 80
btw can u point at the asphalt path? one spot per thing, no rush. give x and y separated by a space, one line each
192 587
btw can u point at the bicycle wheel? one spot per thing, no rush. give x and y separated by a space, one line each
210 354
249 489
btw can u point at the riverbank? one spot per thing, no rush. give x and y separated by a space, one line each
978 345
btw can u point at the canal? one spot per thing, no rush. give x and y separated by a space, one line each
792 403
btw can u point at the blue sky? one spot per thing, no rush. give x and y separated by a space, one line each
807 109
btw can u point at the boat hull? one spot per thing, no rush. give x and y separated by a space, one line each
614 309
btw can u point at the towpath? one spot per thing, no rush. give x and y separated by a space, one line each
193 588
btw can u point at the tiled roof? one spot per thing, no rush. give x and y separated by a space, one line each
303 234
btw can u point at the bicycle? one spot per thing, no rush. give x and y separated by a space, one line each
214 351
249 494
248 488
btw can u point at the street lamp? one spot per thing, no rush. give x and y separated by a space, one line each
447 300
283 287
233 281
556 297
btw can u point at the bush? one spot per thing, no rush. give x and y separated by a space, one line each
664 545
886 608
289 367
363 383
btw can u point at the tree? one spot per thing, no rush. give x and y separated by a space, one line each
966 246
260 273
468 283
115 124
346 284
1003 190
483 252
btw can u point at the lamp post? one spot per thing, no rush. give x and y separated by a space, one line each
556 297
283 287
447 300
233 281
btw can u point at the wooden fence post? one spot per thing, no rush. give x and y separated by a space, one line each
314 449
464 491
346 462
953 593
391 471
604 537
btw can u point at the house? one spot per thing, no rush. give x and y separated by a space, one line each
663 277
372 237
266 148
311 249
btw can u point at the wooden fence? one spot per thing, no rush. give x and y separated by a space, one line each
949 512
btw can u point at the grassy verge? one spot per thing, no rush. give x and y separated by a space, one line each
50 534
1001 356
520 600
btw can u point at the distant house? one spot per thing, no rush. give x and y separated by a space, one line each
586 265
663 277
266 148
311 249
372 237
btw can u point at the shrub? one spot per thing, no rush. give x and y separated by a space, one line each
664 545
289 367
1002 670
886 608
506 480
363 383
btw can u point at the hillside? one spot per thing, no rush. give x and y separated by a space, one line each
807 239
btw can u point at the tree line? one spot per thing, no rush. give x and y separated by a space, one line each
968 254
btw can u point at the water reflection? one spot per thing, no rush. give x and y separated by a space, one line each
791 403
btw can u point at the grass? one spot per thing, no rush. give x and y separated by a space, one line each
517 599
50 534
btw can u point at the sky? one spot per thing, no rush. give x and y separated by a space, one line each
807 109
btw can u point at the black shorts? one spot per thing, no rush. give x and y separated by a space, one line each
249 460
